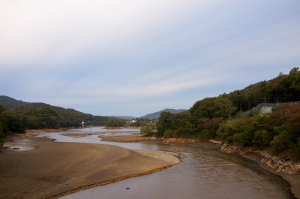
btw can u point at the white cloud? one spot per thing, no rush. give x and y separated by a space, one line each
76 52
38 30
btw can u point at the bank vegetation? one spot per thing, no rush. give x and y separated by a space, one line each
224 118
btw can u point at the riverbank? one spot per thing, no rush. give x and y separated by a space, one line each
124 127
290 172
46 130
54 169
287 169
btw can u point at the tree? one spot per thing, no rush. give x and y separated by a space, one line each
275 88
284 127
291 86
262 87
164 123
239 129
148 130
14 122
2 109
238 100
115 123
214 107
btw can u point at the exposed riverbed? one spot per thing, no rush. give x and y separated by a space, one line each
203 173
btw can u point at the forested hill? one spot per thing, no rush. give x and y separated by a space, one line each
224 118
41 115
283 88
9 103
157 114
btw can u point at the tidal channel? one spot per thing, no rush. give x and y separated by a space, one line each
202 173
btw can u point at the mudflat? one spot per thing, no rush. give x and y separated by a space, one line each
292 179
53 169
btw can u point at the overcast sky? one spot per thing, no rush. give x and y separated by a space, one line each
134 57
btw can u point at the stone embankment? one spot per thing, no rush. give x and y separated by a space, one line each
270 105
281 165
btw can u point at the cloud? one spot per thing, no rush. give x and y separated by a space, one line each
38 30
138 52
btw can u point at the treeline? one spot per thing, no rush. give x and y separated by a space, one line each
117 122
284 88
41 116
11 122
222 117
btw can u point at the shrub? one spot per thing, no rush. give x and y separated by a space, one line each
148 131
168 133
243 139
229 140
262 138
234 126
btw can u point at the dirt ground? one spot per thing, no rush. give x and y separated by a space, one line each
54 168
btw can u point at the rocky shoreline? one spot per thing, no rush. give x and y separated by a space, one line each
287 169
281 165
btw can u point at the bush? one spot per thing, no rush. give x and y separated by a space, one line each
167 133
243 139
280 143
238 125
206 133
178 133
229 140
115 123
148 131
262 138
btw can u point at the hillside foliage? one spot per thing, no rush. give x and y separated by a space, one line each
11 121
222 117
42 116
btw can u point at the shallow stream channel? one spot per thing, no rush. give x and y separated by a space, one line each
203 173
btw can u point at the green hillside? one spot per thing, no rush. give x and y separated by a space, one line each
10 103
40 115
223 118
156 115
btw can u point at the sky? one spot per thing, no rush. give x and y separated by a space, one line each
134 57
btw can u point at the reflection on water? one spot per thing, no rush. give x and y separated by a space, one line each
93 136
18 145
203 173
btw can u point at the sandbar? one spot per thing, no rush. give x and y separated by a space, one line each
53 169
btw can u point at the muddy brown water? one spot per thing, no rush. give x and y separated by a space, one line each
203 173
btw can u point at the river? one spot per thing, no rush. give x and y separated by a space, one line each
203 173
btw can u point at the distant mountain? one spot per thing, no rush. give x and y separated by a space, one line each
41 115
10 103
156 115
62 113
124 117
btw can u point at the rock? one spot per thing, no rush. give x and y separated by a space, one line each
280 164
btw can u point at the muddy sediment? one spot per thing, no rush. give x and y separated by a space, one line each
56 168
288 170
112 173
